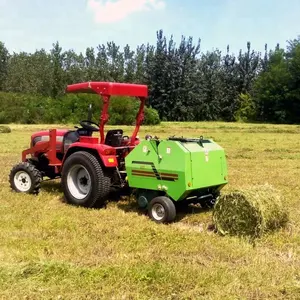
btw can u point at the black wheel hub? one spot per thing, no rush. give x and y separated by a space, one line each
83 180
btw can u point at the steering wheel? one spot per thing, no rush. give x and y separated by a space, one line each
87 125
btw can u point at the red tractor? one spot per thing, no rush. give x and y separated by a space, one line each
88 166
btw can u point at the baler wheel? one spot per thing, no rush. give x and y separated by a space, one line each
25 178
162 210
83 181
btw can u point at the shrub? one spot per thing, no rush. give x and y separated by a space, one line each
70 108
247 109
151 116
5 129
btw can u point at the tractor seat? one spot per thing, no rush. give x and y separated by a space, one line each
114 138
69 138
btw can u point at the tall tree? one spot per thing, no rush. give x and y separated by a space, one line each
116 62
4 57
247 68
209 100
156 71
293 96
29 73
90 65
129 64
74 67
229 87
102 64
271 87
140 64
59 79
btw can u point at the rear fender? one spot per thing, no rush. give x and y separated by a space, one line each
106 154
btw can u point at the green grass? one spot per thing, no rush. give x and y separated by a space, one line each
50 250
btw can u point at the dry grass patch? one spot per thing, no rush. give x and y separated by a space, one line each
50 250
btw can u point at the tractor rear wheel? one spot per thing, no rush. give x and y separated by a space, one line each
83 181
162 209
25 178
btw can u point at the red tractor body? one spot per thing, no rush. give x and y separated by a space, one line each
50 149
55 146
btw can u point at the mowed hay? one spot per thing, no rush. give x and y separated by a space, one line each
250 212
5 129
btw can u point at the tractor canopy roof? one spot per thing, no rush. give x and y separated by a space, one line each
109 89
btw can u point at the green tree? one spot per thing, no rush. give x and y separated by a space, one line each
29 73
271 89
90 65
129 64
210 86
102 64
4 57
74 67
247 69
140 64
247 109
293 96
59 78
116 62
229 87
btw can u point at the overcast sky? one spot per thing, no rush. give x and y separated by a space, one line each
26 25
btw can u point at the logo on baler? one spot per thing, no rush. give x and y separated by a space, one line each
145 149
154 173
206 153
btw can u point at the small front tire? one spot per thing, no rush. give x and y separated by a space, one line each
25 178
162 210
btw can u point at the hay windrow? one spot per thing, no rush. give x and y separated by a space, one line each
5 129
250 212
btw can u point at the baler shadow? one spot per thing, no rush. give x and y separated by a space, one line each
189 210
181 212
130 206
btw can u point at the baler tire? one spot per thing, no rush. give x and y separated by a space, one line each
31 175
167 207
90 165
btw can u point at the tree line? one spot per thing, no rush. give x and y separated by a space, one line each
185 84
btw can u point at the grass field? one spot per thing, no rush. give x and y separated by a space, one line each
50 250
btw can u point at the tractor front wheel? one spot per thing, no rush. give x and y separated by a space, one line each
162 210
83 181
25 178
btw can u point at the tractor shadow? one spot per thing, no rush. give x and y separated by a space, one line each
52 186
126 203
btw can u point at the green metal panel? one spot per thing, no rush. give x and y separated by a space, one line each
150 167
175 167
208 164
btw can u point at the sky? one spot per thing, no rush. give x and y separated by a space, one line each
27 25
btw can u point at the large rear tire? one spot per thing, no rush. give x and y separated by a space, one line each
162 210
83 181
25 178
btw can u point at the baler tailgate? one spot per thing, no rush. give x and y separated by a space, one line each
207 165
